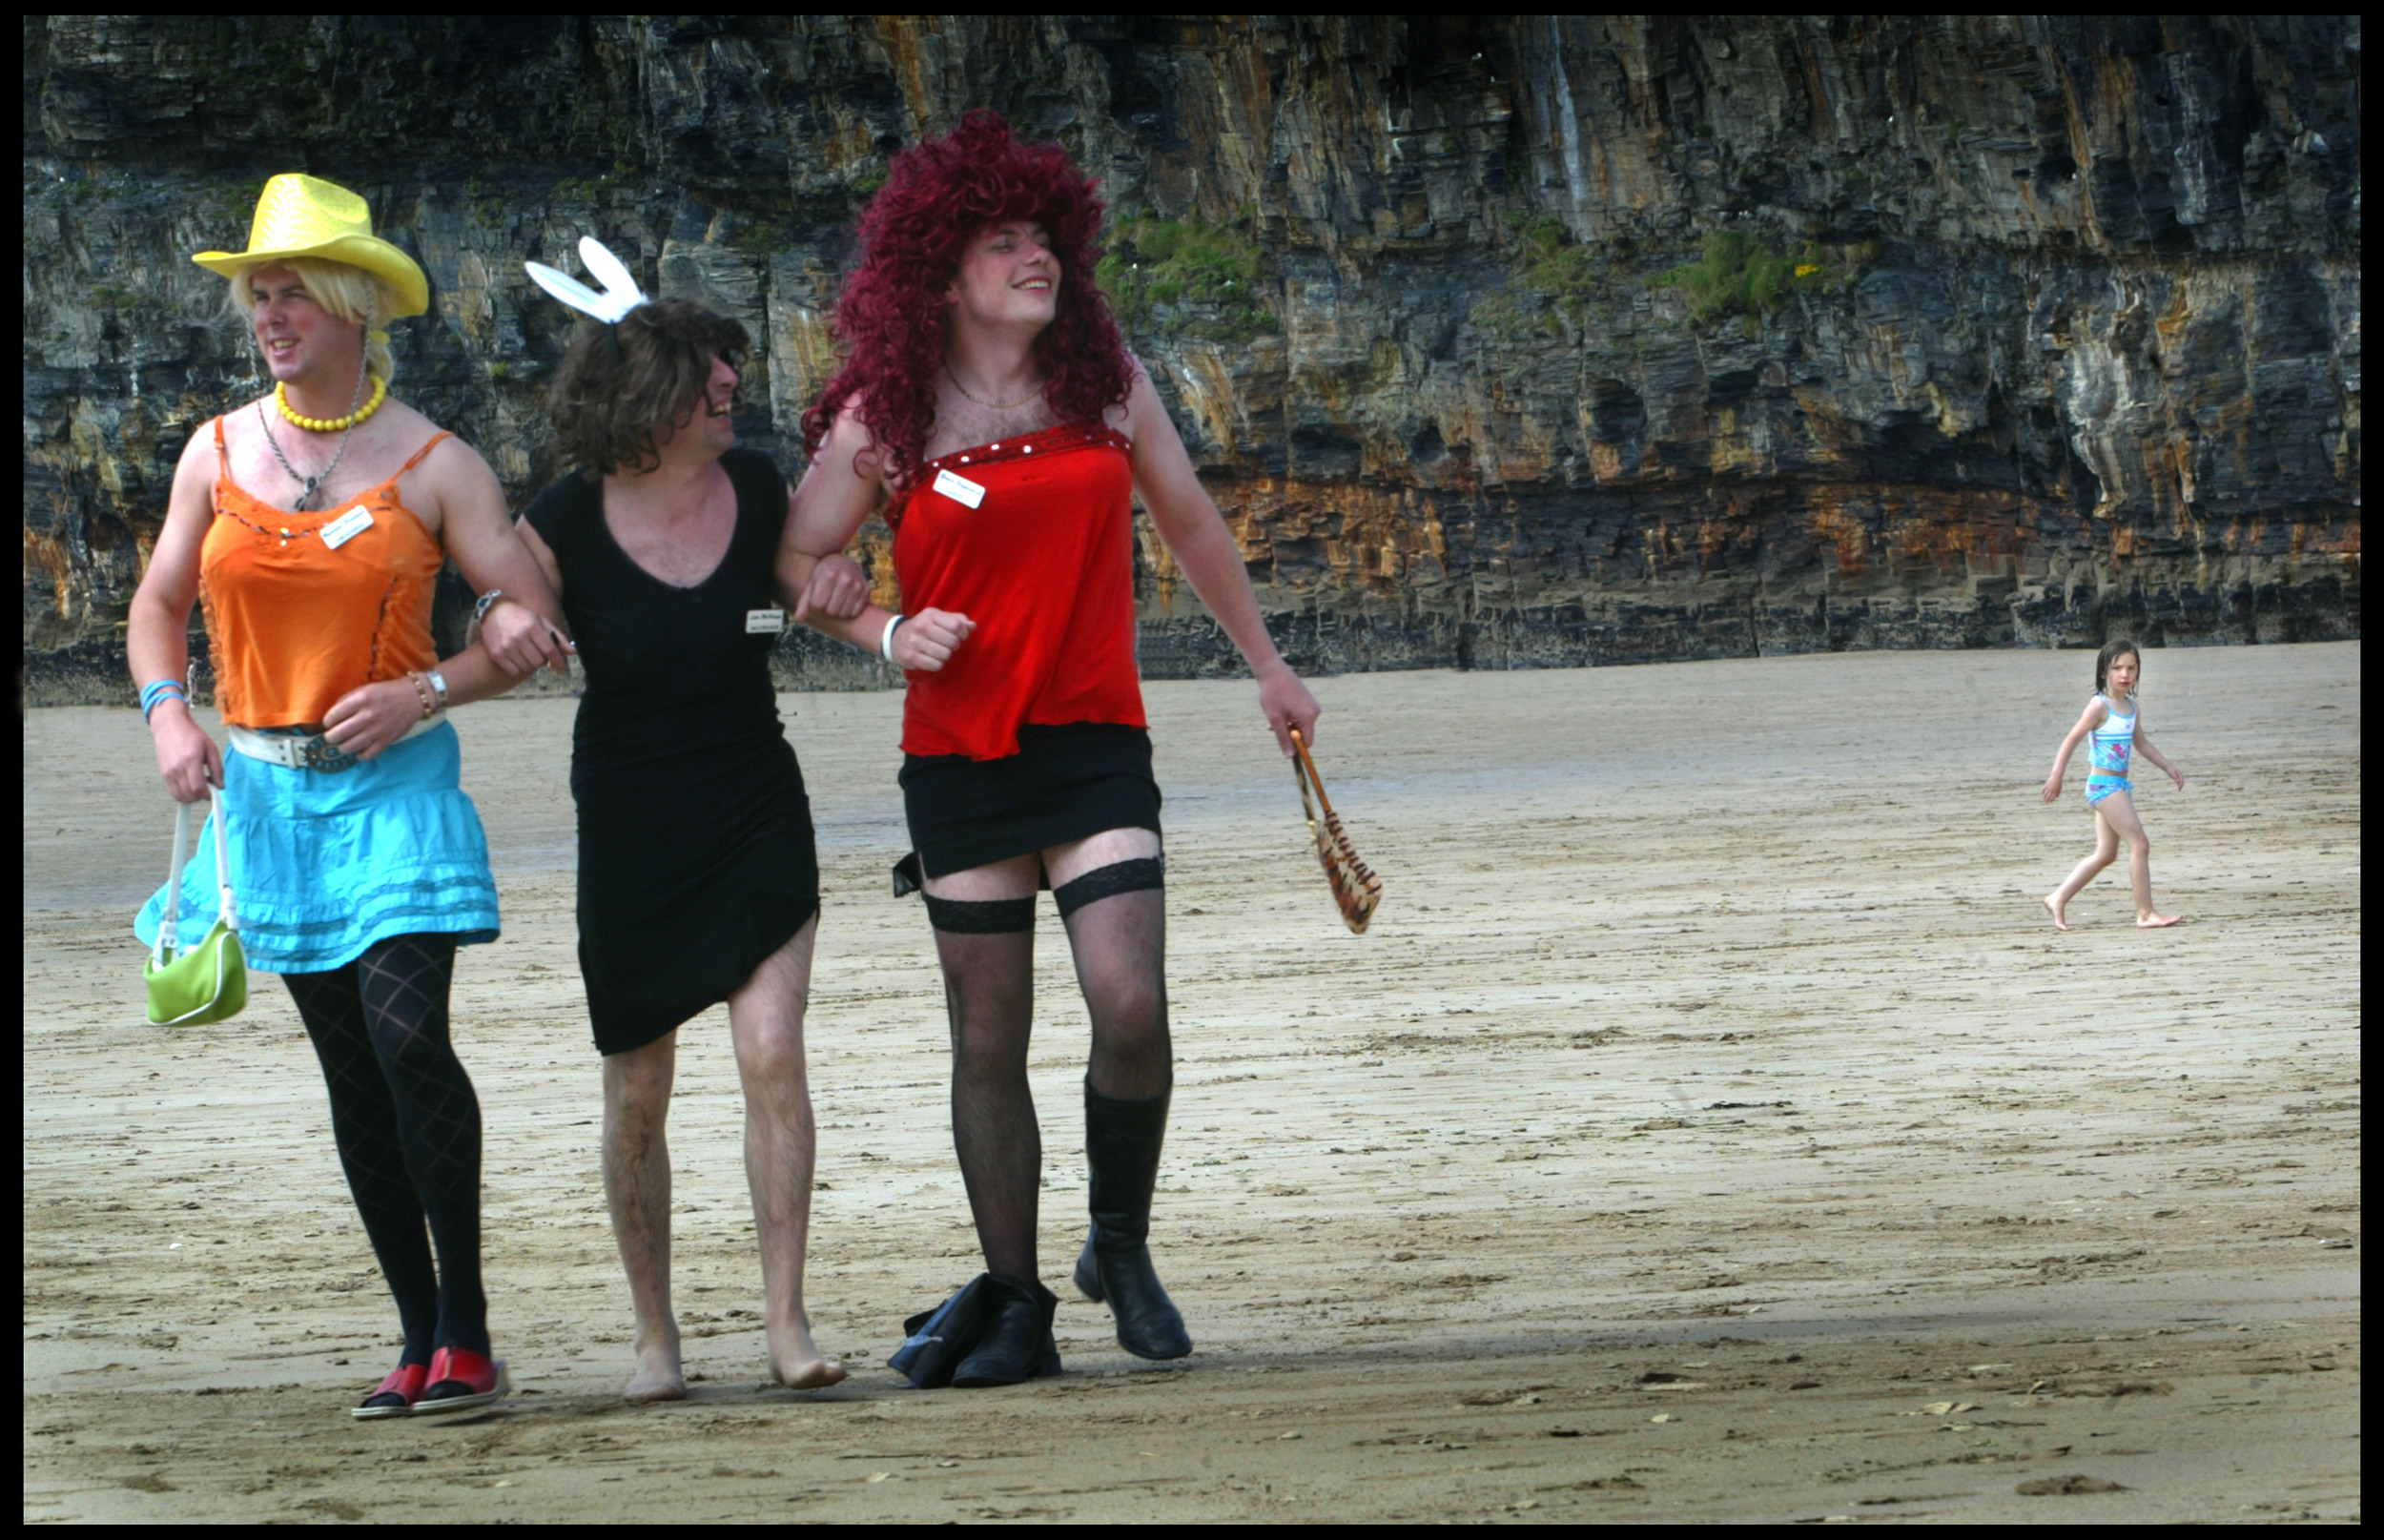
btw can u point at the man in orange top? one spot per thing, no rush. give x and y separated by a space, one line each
314 522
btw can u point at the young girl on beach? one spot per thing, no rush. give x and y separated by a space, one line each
2112 727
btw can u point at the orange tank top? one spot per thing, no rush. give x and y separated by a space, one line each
296 621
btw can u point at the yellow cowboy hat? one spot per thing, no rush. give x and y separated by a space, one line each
299 215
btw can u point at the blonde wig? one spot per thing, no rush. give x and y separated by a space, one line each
348 294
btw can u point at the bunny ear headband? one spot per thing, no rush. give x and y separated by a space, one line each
621 295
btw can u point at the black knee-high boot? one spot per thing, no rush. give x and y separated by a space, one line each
1122 1140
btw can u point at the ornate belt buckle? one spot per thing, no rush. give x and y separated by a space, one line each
320 754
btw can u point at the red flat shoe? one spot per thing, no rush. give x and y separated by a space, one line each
405 1383
460 1380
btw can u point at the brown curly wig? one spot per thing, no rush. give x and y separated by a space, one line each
938 195
609 404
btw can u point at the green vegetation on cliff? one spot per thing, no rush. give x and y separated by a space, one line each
1550 275
1740 275
1185 278
1555 284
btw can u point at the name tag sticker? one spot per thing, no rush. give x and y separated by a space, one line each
347 526
764 622
960 489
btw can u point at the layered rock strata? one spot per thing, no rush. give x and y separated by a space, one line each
1501 341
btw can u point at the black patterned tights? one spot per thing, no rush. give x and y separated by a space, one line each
407 1124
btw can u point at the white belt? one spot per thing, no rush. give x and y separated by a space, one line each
309 750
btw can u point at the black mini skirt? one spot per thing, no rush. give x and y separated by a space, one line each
1064 783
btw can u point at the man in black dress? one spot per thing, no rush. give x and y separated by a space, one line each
698 881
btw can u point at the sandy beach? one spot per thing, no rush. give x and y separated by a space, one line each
1711 1127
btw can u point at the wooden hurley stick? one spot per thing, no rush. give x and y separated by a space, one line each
1356 888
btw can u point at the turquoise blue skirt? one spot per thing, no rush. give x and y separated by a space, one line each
325 865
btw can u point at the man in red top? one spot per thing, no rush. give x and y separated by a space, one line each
989 407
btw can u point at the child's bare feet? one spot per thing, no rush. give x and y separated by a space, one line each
2052 901
2153 923
659 1376
797 1362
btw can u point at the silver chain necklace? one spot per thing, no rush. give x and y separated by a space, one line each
998 406
309 486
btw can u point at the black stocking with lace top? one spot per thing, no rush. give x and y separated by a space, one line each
1117 928
1116 919
989 994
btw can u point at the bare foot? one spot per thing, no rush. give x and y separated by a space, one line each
659 1376
797 1362
2060 921
2153 923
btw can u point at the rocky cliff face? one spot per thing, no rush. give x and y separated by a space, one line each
1500 341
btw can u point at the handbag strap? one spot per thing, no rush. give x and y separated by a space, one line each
1305 768
226 908
1307 803
170 927
169 930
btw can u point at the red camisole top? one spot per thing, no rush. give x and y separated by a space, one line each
1044 564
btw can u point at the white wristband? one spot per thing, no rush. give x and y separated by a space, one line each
885 642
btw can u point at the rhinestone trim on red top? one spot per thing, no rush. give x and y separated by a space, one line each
1057 441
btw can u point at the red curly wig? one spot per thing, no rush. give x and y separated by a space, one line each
890 318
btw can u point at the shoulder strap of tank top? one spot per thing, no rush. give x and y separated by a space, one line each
224 457
437 439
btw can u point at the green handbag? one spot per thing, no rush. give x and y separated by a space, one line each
210 981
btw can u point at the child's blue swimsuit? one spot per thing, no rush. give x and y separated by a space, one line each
2108 748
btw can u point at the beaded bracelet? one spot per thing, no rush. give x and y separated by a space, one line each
421 688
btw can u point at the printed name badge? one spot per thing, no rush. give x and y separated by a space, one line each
764 622
347 526
960 489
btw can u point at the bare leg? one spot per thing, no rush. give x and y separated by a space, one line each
637 1185
2105 849
781 1141
2119 811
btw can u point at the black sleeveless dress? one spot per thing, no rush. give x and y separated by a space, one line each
696 856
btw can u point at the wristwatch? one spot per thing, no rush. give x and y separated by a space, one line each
439 684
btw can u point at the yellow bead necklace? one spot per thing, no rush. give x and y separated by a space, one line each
332 425
358 412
